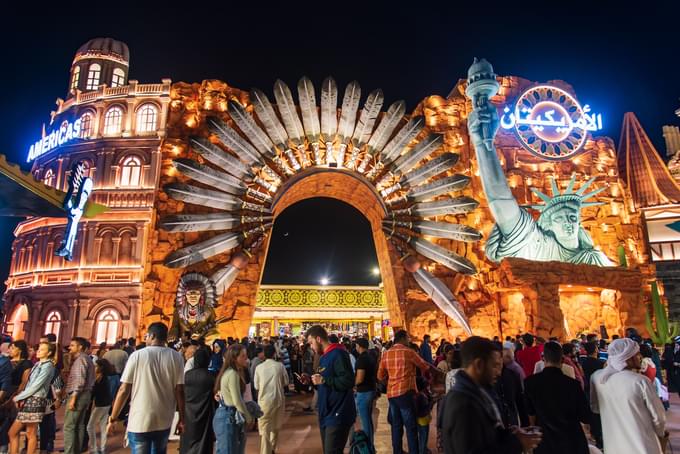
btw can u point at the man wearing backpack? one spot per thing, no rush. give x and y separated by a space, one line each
335 382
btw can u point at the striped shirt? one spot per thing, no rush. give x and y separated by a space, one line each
81 376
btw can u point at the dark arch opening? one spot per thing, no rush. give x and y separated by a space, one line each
317 238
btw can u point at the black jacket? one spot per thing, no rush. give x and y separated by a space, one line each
470 425
508 388
560 406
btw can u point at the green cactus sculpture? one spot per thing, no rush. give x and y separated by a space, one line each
663 331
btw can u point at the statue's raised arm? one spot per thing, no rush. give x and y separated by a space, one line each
482 126
557 234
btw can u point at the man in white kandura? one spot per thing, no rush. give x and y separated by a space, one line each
633 418
271 380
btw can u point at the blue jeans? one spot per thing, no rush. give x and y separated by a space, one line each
364 402
230 437
423 435
402 414
155 442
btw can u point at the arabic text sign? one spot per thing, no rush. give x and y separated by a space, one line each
550 123
56 138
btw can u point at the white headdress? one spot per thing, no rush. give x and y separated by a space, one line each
620 351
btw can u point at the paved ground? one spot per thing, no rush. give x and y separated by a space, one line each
300 433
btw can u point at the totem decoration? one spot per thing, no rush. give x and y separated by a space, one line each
194 307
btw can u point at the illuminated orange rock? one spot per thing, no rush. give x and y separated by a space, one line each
506 299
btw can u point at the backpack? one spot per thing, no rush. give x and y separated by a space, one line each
360 443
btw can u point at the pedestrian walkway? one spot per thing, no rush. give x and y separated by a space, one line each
300 432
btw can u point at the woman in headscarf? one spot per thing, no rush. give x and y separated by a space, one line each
219 347
199 406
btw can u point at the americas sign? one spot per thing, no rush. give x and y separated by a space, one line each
68 131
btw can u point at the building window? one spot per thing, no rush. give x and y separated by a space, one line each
53 323
131 171
76 78
16 323
118 78
49 178
113 120
86 125
108 325
146 118
93 75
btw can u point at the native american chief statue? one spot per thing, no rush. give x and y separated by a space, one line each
557 234
194 307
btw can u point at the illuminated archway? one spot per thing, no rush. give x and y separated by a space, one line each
223 187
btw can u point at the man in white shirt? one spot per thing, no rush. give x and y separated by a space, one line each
633 418
154 378
271 379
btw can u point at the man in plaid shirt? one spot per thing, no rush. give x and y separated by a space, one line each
79 395
398 366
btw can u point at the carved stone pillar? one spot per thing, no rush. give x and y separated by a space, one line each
35 323
128 130
116 250
549 320
71 324
130 329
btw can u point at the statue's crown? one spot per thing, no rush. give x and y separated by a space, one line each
570 197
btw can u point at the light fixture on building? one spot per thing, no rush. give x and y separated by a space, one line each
324 280
375 271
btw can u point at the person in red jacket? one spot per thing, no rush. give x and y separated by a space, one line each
529 355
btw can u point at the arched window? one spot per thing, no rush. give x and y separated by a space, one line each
53 323
49 177
146 118
86 125
76 78
93 75
108 326
113 119
131 171
118 78
15 326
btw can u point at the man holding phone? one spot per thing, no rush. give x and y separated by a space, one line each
335 389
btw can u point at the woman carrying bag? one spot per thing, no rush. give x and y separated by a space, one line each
32 401
232 415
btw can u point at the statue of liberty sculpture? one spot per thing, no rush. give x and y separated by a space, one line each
557 234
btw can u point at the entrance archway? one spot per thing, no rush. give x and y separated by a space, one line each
354 190
228 172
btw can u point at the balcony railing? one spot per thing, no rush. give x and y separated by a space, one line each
124 198
103 92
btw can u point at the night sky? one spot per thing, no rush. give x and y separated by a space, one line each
617 59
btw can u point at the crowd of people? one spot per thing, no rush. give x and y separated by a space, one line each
523 394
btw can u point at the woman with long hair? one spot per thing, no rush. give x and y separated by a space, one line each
32 401
232 415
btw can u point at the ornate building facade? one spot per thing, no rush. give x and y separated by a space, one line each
122 124
139 142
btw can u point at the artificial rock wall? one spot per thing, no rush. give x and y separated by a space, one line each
499 300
